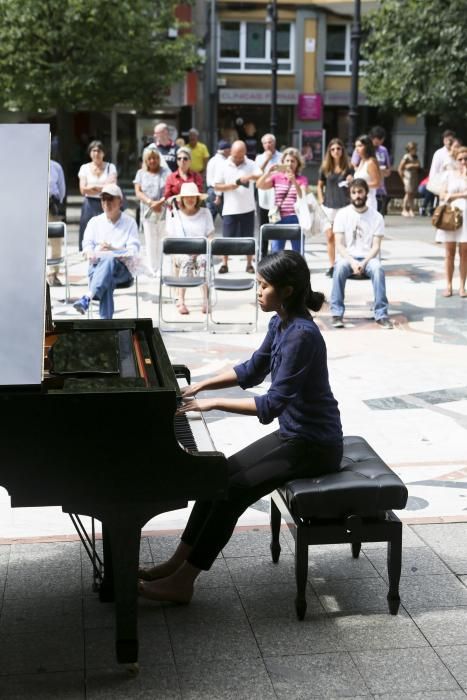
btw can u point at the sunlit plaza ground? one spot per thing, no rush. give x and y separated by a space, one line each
405 391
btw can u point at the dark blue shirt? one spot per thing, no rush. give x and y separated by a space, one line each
299 395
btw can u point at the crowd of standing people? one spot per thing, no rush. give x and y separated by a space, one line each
181 190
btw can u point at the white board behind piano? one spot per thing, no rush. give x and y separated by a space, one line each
24 187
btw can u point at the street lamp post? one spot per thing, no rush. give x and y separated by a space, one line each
356 35
271 21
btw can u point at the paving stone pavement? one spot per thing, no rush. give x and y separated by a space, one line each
405 391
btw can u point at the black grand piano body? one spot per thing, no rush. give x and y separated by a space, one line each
105 446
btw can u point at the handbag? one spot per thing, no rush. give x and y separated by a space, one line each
274 213
447 218
319 220
303 213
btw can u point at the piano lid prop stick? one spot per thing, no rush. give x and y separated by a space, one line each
140 360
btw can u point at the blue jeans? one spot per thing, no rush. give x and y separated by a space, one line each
276 246
343 270
104 276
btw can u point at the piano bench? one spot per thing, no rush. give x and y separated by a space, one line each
351 505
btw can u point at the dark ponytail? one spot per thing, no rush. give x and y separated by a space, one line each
314 300
289 269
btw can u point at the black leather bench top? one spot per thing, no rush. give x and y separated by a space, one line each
364 485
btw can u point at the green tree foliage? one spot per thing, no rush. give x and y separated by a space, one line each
89 54
417 56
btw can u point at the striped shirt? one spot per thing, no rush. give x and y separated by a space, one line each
285 196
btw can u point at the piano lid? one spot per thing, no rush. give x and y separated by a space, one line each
24 186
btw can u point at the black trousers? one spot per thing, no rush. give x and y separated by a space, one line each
254 472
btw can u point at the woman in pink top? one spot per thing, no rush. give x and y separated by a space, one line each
288 186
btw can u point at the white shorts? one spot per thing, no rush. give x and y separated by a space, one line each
330 216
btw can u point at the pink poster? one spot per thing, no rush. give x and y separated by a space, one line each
310 106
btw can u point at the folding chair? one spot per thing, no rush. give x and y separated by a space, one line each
57 229
227 283
281 232
182 246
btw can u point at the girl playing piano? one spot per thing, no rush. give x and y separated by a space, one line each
309 439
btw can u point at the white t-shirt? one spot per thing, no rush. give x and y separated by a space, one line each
242 199
109 174
214 164
442 159
182 226
122 235
358 229
266 197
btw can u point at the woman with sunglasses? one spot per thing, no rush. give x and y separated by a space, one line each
333 190
454 192
149 185
182 174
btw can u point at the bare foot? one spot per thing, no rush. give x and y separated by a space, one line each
463 293
447 293
169 589
182 309
162 570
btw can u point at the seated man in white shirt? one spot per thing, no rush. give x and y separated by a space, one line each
359 231
110 241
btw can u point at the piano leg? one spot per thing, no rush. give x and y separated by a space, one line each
122 534
121 527
106 588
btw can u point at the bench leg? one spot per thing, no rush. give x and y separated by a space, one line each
275 520
301 572
394 568
356 547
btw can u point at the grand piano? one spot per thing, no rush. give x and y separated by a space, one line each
88 419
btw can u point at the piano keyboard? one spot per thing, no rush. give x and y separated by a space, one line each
192 433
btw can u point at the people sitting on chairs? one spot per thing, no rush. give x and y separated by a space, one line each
188 219
359 230
110 243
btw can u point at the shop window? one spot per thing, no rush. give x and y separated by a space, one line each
246 47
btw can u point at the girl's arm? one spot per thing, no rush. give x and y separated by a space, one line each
264 182
218 381
320 191
246 407
374 174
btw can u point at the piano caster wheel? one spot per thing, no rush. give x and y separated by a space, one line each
133 669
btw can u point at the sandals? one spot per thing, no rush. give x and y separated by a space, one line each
250 269
223 269
182 309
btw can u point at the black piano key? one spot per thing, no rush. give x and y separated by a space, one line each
184 434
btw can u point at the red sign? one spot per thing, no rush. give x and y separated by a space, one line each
310 106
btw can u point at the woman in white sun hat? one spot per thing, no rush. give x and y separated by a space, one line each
189 219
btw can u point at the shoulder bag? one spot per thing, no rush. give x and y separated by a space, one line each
447 218
274 213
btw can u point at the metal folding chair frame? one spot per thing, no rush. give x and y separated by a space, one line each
182 246
57 229
230 247
281 232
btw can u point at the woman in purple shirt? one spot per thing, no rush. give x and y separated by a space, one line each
309 439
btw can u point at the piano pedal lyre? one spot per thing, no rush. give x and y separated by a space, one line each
89 544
